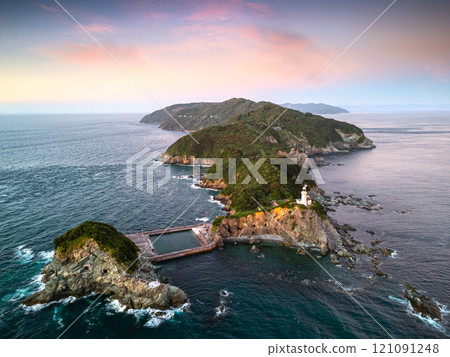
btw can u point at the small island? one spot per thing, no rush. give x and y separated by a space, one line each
95 258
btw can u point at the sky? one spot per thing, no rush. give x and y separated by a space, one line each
167 52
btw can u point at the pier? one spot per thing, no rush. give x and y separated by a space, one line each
165 244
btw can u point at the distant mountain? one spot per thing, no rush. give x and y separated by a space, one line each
398 107
315 108
196 116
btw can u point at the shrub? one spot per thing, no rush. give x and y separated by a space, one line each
121 248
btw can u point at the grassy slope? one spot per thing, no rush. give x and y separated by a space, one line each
122 249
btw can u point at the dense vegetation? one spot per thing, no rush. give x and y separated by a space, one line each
243 189
160 116
292 130
122 249
196 116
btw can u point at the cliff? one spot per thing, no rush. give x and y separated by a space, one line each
298 226
83 264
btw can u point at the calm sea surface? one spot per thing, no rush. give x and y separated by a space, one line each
57 171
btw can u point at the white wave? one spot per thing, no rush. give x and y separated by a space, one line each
37 281
211 199
155 316
394 254
400 301
426 319
46 256
153 322
34 286
24 254
225 293
19 294
38 307
195 187
154 284
115 306
221 310
183 177
203 219
58 319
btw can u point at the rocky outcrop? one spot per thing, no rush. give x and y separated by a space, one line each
295 226
89 269
421 303
185 160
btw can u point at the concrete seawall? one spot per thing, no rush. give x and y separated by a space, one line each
145 244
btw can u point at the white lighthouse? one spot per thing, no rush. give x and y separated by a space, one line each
305 199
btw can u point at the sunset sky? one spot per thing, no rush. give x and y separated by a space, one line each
184 51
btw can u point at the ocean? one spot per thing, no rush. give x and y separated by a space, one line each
57 171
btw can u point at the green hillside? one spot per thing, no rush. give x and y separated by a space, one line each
121 248
292 130
196 116
160 116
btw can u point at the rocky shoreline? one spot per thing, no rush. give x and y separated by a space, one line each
90 269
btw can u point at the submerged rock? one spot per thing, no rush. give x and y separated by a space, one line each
387 251
254 249
334 259
349 264
421 303
380 273
255 240
348 227
87 267
360 249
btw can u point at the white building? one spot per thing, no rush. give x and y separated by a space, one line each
305 200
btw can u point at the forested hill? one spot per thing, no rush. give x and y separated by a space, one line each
293 131
196 116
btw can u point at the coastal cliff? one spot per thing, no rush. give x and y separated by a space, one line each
95 258
298 226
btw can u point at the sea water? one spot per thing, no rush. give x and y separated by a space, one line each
57 171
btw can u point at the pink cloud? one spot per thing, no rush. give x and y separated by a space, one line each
216 10
440 70
49 8
98 28
274 38
92 54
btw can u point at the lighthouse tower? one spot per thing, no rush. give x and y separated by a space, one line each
304 199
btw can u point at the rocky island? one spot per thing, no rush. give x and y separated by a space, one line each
96 258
